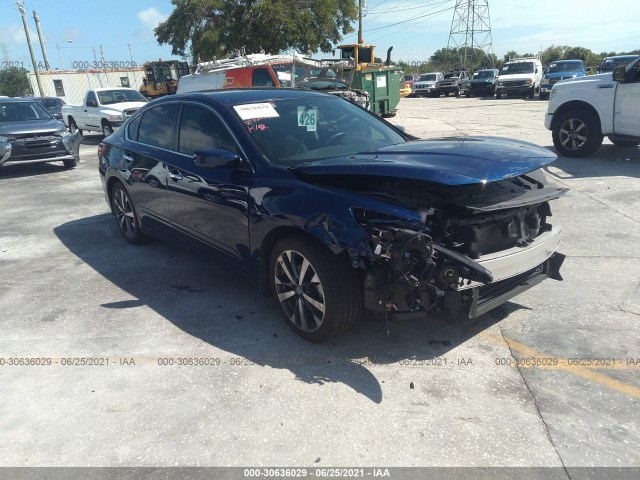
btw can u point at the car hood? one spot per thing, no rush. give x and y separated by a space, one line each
453 161
602 77
121 107
482 80
31 126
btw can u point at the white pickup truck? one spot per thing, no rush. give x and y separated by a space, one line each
583 110
103 110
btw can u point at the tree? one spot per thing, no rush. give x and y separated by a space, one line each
14 82
553 53
206 29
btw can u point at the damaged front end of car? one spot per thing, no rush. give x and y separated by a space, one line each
473 248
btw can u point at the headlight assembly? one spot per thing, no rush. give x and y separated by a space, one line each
116 118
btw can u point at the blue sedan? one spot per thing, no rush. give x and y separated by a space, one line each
332 210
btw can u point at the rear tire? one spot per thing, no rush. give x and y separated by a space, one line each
126 216
320 294
577 133
544 96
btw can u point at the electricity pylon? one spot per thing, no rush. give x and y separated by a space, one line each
470 32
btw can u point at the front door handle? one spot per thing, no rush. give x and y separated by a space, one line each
175 175
126 157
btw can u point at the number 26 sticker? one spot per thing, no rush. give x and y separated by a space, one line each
307 117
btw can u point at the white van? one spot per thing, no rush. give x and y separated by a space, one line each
520 77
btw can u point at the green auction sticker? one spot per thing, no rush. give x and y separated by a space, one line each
307 117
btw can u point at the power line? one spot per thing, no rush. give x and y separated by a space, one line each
396 31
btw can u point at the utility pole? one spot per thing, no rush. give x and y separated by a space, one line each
135 80
360 39
33 57
44 50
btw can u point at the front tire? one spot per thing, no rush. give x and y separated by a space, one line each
126 216
577 133
73 127
107 129
319 293
70 163
498 95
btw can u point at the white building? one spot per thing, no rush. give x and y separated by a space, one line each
71 85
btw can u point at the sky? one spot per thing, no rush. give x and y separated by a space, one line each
415 28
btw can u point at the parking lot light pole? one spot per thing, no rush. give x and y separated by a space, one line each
59 55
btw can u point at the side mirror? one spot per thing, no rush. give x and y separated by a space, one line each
216 158
618 74
588 69
91 103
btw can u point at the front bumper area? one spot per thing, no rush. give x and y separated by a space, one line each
490 296
514 89
514 261
481 89
422 91
58 149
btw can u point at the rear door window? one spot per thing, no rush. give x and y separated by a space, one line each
157 124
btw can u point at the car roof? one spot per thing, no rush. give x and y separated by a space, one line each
236 96
17 100
102 89
619 57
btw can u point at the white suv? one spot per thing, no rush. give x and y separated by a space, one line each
520 77
427 84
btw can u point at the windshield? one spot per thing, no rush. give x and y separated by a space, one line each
429 77
22 112
565 67
314 75
451 75
108 97
518 67
50 103
610 63
484 74
295 131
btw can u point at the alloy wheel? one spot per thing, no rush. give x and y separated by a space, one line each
299 291
124 213
573 134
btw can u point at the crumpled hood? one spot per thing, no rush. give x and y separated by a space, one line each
453 161
31 126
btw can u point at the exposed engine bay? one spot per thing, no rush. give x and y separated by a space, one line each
475 247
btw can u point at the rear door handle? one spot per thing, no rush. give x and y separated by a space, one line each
127 157
175 176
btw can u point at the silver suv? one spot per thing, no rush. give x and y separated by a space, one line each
427 84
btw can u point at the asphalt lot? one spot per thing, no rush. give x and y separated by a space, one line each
432 394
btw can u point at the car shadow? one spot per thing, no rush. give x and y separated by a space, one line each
218 305
30 170
608 161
